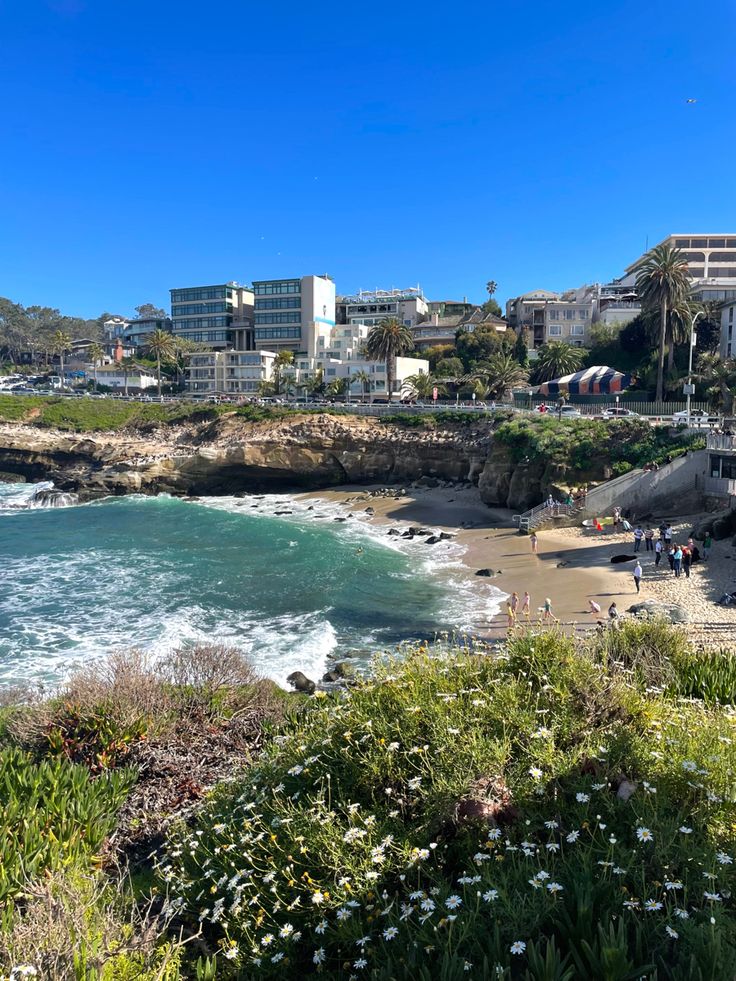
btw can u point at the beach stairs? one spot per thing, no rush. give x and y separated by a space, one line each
545 513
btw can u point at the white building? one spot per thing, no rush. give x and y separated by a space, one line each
213 315
372 306
727 348
711 260
287 311
229 372
113 376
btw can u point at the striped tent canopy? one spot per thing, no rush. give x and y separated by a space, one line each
591 381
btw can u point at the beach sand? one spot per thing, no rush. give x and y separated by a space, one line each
491 540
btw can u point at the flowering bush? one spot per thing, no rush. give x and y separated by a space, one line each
531 814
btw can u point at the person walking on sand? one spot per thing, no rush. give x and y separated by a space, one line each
707 546
548 614
510 614
687 558
638 536
637 575
649 539
533 541
677 561
613 614
658 546
526 604
514 602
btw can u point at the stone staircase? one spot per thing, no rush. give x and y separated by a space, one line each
544 513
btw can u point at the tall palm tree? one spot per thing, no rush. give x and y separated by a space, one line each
712 368
503 373
162 345
127 364
387 341
491 287
95 353
678 327
557 358
662 282
362 376
60 344
422 386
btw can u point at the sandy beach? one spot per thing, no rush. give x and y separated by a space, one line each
562 570
571 566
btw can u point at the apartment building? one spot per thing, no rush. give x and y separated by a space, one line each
443 329
552 316
372 306
711 262
136 331
287 311
228 372
727 348
212 315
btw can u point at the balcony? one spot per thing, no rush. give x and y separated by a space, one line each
723 486
716 441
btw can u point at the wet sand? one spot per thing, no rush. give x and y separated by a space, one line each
491 540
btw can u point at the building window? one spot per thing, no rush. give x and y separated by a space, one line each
721 257
583 314
555 330
199 308
569 314
730 315
278 318
724 272
698 243
577 329
682 243
694 256
696 272
201 293
276 288
275 333
282 303
716 243
723 466
201 322
553 314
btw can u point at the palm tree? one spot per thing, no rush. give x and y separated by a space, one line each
337 387
364 378
127 364
422 386
387 341
60 344
557 358
678 327
503 373
283 359
662 282
491 287
712 368
316 385
95 353
162 345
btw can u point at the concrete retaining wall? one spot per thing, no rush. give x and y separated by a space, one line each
676 487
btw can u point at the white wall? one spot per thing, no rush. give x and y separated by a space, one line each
641 491
728 331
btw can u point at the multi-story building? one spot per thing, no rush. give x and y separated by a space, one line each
287 311
520 310
551 316
213 315
727 347
136 331
443 329
228 372
114 327
372 306
711 262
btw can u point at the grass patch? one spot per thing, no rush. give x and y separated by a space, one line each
539 814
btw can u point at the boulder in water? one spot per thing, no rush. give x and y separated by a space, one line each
301 682
47 497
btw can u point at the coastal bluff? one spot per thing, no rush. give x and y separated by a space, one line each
230 454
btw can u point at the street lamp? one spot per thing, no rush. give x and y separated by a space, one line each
689 388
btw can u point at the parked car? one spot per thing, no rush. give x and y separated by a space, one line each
698 416
568 412
618 412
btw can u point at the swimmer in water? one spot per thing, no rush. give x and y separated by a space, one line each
359 551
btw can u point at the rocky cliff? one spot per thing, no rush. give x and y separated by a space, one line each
231 454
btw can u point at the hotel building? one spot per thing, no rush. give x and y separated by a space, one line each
711 263
213 315
288 311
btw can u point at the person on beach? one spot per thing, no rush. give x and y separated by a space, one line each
514 602
637 575
510 614
662 530
668 534
677 561
533 541
616 517
687 558
593 607
613 614
671 557
548 614
638 537
658 547
526 604
707 545
649 539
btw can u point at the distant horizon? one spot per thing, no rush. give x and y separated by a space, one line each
151 146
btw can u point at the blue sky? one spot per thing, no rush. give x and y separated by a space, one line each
149 144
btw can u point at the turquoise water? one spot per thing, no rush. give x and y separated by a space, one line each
156 572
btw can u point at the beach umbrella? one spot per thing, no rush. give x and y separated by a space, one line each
590 381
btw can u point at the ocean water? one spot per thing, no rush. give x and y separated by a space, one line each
79 581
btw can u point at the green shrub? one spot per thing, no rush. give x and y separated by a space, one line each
458 808
53 816
708 674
